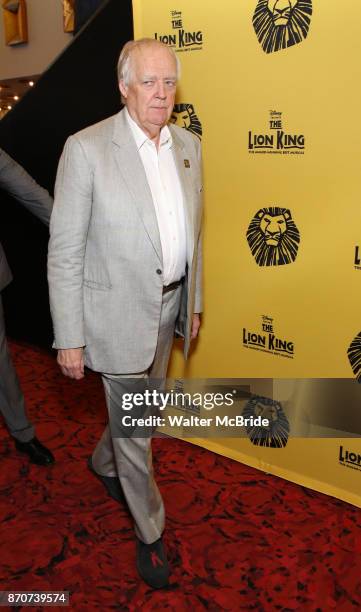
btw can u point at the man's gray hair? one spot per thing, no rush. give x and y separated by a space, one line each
125 65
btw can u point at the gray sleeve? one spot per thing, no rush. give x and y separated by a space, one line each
18 183
68 234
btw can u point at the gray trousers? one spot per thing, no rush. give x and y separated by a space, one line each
12 403
130 458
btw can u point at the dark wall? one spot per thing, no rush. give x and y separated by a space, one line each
78 89
84 9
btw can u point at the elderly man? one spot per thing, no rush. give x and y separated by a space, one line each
17 182
124 267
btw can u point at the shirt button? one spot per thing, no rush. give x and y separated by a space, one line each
159 271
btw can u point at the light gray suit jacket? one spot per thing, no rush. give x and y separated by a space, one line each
18 183
105 258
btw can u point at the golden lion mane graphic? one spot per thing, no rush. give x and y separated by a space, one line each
354 355
276 434
273 237
280 24
184 116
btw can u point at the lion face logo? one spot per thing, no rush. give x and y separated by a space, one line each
280 24
273 228
184 116
273 237
276 433
354 356
280 11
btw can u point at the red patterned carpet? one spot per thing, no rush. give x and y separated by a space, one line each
237 539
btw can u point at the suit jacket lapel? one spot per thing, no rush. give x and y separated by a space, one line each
132 170
187 189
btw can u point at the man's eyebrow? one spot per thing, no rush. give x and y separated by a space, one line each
153 76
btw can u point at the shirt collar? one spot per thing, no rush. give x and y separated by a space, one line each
140 137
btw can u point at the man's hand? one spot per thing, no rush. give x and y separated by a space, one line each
71 362
196 323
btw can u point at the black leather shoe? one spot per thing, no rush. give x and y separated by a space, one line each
111 484
152 563
37 452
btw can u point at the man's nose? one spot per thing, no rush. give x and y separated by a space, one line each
161 90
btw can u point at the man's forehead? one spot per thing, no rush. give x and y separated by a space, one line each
151 58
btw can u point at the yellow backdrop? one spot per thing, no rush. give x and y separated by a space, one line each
281 137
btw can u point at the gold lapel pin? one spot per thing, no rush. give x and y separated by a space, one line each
186 163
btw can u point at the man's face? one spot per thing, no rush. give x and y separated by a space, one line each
150 94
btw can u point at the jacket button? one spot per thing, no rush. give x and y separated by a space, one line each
159 271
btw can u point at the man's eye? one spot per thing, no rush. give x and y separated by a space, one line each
170 83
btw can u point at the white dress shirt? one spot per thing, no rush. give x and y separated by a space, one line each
166 190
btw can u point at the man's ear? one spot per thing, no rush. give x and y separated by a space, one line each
123 88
